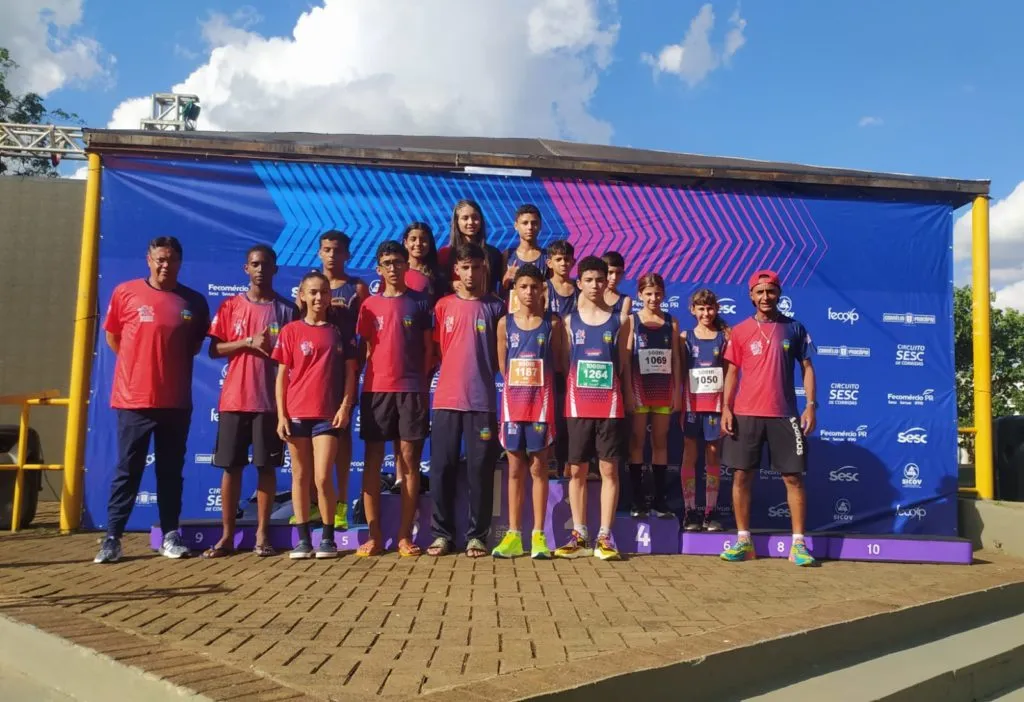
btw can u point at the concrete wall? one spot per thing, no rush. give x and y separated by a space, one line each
40 243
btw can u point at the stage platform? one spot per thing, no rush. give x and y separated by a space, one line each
635 536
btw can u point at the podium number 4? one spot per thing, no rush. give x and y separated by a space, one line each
643 535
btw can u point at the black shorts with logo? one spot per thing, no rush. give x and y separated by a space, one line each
237 431
603 439
394 416
787 446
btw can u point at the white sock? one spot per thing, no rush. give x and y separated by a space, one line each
581 529
604 531
798 537
743 535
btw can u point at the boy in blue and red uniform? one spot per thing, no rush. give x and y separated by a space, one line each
465 329
594 408
530 347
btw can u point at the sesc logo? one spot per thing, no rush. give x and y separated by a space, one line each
910 355
914 435
779 511
843 510
911 512
726 475
846 474
912 476
844 394
726 305
849 317
786 305
213 500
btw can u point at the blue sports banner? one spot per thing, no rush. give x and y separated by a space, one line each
870 279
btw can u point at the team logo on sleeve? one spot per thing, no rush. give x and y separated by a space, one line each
307 348
540 340
607 337
146 313
186 315
485 434
785 344
481 326
513 340
275 328
406 321
714 352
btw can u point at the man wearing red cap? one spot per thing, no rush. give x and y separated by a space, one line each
764 348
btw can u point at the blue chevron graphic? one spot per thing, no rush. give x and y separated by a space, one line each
372 205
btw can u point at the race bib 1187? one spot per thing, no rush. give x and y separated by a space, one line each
526 372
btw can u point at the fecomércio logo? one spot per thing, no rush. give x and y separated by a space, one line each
912 476
911 399
214 416
843 510
914 435
220 290
768 474
846 474
848 317
911 512
839 436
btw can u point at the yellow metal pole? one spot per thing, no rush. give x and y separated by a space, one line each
984 474
81 355
19 477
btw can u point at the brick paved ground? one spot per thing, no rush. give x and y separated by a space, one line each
274 629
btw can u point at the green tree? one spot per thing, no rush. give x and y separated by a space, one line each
1007 358
26 109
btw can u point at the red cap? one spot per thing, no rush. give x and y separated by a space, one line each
765 277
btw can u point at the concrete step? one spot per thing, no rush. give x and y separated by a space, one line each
971 665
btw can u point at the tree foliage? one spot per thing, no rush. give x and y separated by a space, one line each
1007 358
27 108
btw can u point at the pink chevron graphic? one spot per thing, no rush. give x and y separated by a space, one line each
691 234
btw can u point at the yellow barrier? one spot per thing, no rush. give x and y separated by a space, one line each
50 398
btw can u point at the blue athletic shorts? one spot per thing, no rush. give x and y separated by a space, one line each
308 428
531 437
702 425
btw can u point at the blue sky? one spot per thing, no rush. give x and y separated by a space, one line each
904 86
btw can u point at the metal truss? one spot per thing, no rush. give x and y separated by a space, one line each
41 141
173 112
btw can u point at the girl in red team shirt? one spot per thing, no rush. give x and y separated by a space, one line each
312 405
423 274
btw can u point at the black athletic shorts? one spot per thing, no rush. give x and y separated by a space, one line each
603 439
787 446
237 431
394 416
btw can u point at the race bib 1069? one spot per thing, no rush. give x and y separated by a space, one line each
526 372
655 361
596 375
706 381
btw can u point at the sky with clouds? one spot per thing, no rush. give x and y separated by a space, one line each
908 87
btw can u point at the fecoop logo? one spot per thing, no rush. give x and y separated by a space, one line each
726 305
845 351
912 476
910 355
213 500
215 290
779 511
909 319
844 394
846 474
843 510
912 399
914 435
849 317
839 436
911 512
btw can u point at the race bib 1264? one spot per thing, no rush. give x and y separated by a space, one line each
596 375
706 381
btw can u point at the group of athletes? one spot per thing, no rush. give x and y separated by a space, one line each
586 380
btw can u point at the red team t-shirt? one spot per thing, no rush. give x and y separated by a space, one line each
394 327
466 331
159 332
417 280
314 356
765 353
249 383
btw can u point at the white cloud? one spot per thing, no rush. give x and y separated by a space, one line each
695 57
869 121
1006 247
42 38
501 68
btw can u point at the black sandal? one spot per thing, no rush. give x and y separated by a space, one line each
439 547
218 552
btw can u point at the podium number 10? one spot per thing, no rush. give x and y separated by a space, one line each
874 549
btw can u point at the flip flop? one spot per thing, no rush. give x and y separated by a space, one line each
476 548
407 549
370 548
218 552
264 550
439 547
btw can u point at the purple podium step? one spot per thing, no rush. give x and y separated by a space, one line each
765 545
900 549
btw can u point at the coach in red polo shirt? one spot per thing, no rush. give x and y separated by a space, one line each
156 326
759 407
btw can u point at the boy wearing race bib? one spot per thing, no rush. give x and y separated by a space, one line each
561 301
594 408
527 226
651 390
620 304
704 347
530 345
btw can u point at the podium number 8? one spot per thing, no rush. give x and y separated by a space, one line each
780 546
